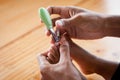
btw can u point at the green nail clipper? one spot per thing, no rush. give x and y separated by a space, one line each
45 17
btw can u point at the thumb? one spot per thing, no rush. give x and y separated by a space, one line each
42 59
64 50
63 23
69 22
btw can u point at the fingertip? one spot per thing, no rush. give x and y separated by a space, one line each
47 32
49 8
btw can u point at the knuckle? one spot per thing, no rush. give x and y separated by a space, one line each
49 7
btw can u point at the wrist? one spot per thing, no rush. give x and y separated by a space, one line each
112 26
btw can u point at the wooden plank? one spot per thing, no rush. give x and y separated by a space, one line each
22 37
19 59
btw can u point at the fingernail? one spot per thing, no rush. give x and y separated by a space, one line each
59 23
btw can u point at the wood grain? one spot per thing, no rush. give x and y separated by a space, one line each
22 36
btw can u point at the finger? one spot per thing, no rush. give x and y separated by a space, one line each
55 53
64 51
62 11
50 61
63 23
55 10
47 32
51 56
52 51
69 22
42 59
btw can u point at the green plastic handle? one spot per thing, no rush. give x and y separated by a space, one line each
45 17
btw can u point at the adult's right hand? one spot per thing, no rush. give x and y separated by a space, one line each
78 22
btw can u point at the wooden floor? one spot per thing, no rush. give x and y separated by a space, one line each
22 36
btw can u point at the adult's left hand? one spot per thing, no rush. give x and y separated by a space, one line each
63 70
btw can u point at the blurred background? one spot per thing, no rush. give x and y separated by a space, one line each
22 36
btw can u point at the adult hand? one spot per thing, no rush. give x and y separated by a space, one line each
63 70
78 22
